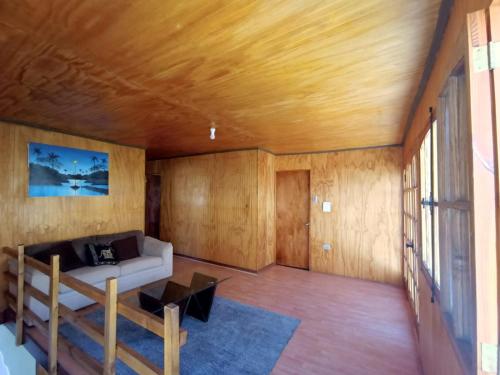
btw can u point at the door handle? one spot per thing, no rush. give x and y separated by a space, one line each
306 224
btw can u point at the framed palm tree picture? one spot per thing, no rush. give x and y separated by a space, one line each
65 171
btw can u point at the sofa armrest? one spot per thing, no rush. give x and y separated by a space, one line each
157 248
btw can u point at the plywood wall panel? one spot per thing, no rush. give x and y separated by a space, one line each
364 227
210 206
266 232
293 162
189 220
33 220
235 209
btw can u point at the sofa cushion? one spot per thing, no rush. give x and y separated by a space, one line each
79 244
95 275
68 259
31 250
126 248
41 281
106 239
99 255
141 263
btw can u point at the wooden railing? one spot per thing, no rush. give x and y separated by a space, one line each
167 328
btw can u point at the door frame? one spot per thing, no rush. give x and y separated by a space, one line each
146 221
276 217
485 174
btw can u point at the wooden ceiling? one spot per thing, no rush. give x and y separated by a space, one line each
284 75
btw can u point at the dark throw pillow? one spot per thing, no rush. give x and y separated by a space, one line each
98 255
68 259
126 248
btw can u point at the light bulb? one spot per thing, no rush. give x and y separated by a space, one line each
212 133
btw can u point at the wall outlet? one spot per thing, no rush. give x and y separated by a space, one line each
327 246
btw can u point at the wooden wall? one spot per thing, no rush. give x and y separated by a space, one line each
436 348
266 222
364 227
219 207
32 220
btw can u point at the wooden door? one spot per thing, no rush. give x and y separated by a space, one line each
153 204
292 219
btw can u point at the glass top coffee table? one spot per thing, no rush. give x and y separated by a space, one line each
195 299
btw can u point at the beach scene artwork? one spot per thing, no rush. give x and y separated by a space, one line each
56 171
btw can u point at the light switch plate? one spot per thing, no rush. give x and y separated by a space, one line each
327 247
327 206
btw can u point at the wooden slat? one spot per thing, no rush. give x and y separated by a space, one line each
171 340
30 291
40 370
131 358
20 295
54 313
141 317
110 327
457 205
89 364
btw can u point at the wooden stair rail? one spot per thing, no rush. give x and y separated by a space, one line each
168 328
171 339
54 313
83 359
130 357
20 293
110 326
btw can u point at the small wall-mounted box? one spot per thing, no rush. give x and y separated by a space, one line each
327 246
327 206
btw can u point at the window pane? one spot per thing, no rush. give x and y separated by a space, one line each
456 268
425 189
436 209
410 245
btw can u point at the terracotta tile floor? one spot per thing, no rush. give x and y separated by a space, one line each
348 326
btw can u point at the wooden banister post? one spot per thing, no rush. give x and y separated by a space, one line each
54 313
171 340
20 295
110 326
